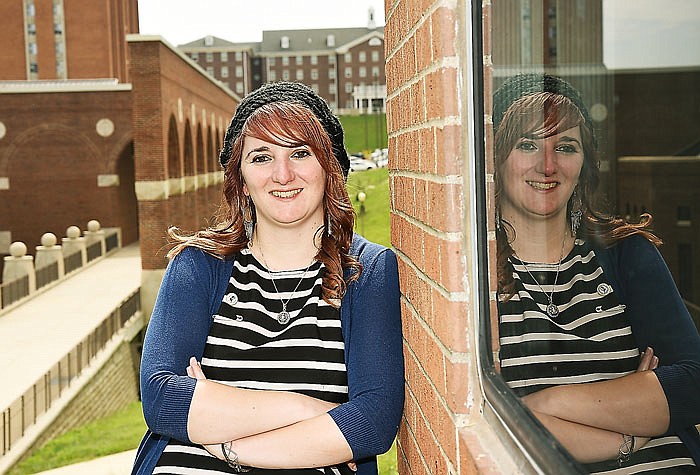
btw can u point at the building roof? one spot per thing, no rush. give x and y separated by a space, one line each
208 43
313 40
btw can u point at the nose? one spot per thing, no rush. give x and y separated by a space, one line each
283 172
547 164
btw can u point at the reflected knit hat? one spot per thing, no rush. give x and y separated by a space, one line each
523 85
287 92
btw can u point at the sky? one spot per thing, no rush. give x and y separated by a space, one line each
636 33
182 21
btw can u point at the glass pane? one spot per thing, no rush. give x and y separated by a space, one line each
596 165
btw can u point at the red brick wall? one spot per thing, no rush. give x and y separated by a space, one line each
13 51
52 155
444 430
165 85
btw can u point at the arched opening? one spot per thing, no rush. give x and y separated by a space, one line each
173 149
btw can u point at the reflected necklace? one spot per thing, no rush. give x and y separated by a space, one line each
283 316
552 310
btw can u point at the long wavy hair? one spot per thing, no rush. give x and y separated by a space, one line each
541 115
286 124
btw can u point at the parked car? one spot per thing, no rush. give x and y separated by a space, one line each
360 164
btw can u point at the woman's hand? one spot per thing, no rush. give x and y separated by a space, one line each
194 370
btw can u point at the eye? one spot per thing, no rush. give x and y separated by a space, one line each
260 158
526 146
300 154
567 148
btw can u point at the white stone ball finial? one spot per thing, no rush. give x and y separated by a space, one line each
93 225
18 249
73 232
48 240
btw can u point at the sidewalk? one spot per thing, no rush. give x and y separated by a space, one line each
37 334
117 464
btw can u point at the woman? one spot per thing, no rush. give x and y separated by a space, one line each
275 341
593 333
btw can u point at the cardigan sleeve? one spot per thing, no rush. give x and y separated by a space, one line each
660 320
374 357
177 330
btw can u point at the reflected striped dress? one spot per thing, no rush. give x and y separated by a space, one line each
589 340
249 348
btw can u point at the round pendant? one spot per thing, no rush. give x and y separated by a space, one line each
231 299
283 317
552 310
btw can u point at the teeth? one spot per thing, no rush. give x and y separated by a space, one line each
542 186
286 194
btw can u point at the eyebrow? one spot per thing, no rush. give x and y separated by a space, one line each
566 138
264 148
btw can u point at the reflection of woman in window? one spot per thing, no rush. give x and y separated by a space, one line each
593 333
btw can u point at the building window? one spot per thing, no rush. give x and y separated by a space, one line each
238 56
314 74
195 56
224 56
299 60
314 59
285 60
363 72
284 42
314 86
272 76
270 61
285 75
208 40
347 57
331 89
331 59
224 71
239 87
375 71
210 71
375 56
330 41
348 72
362 57
300 74
348 87
210 57
239 71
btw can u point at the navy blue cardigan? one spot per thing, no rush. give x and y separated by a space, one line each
659 319
193 286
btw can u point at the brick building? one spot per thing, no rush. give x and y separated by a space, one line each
343 65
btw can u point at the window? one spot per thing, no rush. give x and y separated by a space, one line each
331 59
270 61
375 72
375 56
348 72
331 89
272 76
210 57
224 71
646 158
285 75
238 56
239 87
348 87
208 40
299 60
347 57
362 72
210 71
195 56
362 57
330 41
239 71
284 42
314 86
313 59
285 60
224 57
331 73
314 74
300 74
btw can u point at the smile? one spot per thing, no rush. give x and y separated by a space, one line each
542 186
286 194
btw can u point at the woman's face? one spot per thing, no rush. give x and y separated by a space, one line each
539 176
286 184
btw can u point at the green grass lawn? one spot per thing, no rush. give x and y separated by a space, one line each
364 133
374 222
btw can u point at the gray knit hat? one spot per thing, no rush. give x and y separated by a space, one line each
283 92
522 85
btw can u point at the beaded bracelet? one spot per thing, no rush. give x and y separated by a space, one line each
626 448
231 458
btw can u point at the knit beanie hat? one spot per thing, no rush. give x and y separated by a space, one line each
287 92
522 85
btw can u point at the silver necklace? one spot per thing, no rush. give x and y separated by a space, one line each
552 310
283 316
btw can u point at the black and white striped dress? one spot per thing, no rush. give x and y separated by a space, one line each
589 340
247 347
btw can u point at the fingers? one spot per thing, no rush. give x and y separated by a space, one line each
194 370
648 360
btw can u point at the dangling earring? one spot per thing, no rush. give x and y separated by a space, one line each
248 223
576 213
498 219
329 231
